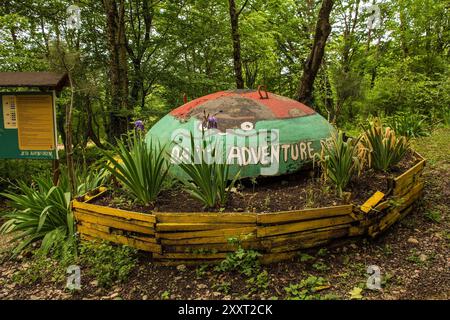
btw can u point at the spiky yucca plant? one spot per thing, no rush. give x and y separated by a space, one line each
140 166
385 149
340 160
41 212
208 181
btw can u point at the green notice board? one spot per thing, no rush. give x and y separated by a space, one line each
27 126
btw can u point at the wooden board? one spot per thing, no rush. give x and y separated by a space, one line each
213 217
108 221
210 247
408 174
268 258
230 233
206 240
114 212
372 201
189 256
411 196
264 231
176 227
301 215
134 243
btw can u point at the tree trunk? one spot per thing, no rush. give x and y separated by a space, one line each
119 117
69 144
314 60
234 19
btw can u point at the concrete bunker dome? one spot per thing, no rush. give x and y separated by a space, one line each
256 132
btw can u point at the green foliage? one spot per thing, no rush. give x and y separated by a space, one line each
304 257
242 260
139 165
107 263
385 149
41 212
320 266
21 169
340 160
223 287
434 215
87 179
409 124
208 179
260 282
307 289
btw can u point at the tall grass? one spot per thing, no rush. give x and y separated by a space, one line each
140 166
385 149
340 160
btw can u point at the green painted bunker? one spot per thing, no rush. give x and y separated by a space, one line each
257 132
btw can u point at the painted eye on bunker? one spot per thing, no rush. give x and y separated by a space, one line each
247 126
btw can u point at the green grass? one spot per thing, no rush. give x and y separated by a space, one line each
435 147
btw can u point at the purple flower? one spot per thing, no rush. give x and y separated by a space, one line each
212 122
139 125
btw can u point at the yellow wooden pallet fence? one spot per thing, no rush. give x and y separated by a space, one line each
197 237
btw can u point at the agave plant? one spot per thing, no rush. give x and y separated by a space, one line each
385 149
140 166
42 212
208 181
340 160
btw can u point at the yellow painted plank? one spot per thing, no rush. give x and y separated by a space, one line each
381 206
114 212
356 231
411 196
300 245
150 239
372 201
411 172
111 222
322 233
116 218
97 193
233 232
206 240
161 227
404 188
205 217
210 247
306 214
264 231
268 258
189 256
303 241
134 243
169 263
95 226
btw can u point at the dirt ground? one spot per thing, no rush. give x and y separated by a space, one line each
301 190
412 256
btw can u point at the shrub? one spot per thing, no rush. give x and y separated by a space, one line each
86 179
409 124
242 260
208 181
385 149
41 212
340 160
107 263
140 166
